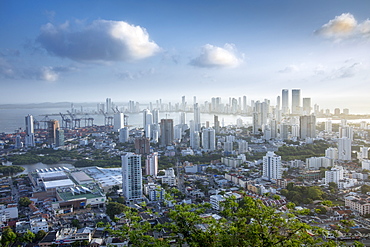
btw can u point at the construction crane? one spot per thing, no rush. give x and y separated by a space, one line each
108 120
42 124
75 121
66 122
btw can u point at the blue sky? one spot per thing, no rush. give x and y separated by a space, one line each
86 51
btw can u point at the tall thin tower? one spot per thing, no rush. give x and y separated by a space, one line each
30 136
131 176
285 101
296 101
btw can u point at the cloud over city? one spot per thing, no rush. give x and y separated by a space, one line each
217 57
101 40
345 26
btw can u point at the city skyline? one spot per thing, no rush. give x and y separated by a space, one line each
76 51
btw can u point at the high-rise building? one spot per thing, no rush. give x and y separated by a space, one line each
166 132
285 101
118 121
197 124
364 151
131 176
328 126
228 147
182 118
273 127
334 175
53 125
344 148
18 142
30 135
346 131
260 113
155 116
307 126
142 145
245 109
243 146
216 123
108 105
59 140
306 106
272 166
123 135
296 101
209 139
284 131
151 164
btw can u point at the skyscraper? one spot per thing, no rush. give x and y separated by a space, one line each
216 123
131 176
118 121
209 139
296 101
344 148
30 135
108 105
142 145
151 164
196 117
306 106
123 135
285 101
271 166
307 127
166 132
53 125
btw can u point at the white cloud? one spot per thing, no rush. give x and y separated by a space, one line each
136 75
102 40
290 69
347 70
344 26
217 57
48 74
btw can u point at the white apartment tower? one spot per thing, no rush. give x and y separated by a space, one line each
151 164
197 124
123 135
334 175
344 148
328 126
209 139
271 166
131 176
30 135
118 121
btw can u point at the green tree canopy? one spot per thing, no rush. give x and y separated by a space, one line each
247 222
8 236
24 201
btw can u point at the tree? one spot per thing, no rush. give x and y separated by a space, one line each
28 237
365 188
247 222
24 201
76 223
8 236
114 208
40 235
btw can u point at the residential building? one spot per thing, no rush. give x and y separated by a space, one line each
131 176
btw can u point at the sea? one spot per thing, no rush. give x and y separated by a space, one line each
12 117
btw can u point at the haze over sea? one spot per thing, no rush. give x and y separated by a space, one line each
12 115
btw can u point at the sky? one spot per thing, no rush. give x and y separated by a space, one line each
86 51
